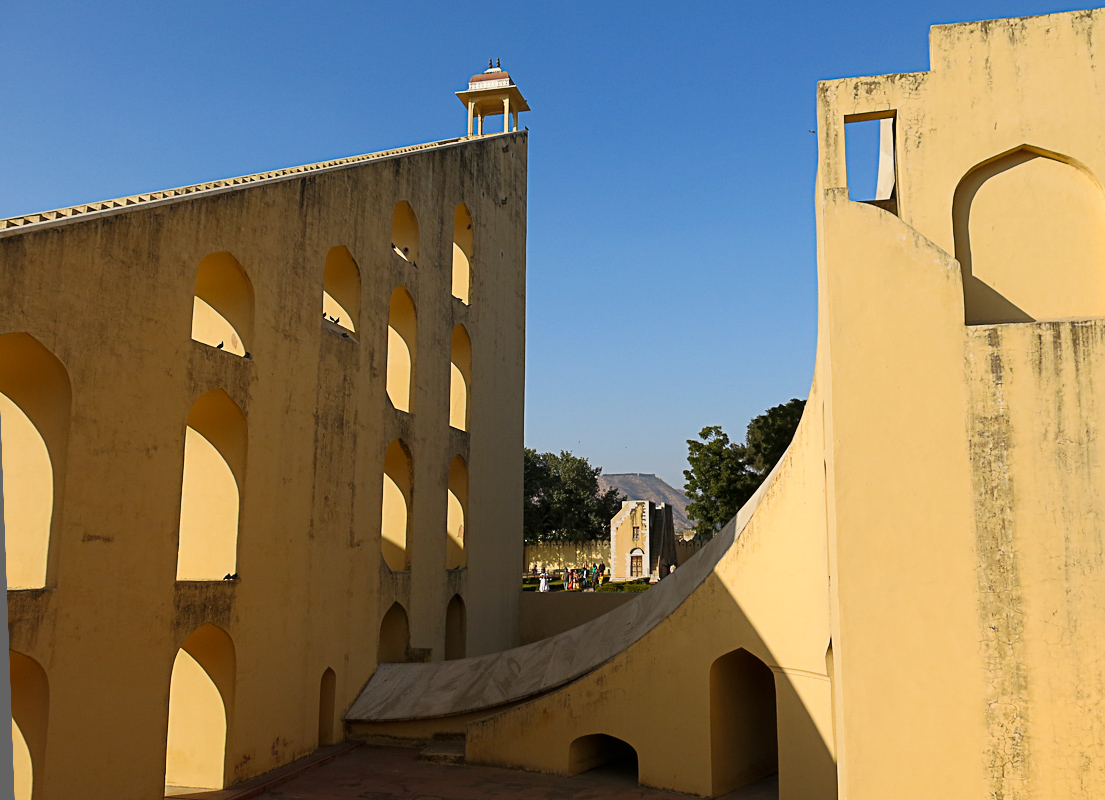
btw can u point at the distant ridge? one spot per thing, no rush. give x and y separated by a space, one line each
645 486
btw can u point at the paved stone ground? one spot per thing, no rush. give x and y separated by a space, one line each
389 773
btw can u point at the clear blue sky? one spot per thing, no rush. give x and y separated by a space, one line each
671 232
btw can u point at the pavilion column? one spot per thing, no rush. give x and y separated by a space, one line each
506 114
471 109
481 125
515 120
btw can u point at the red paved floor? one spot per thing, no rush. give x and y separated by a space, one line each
389 773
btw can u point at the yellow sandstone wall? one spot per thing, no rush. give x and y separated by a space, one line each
922 574
110 298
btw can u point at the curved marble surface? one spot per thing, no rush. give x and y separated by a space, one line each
441 689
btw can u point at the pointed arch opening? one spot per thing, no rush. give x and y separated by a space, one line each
396 507
404 232
1029 229
341 289
395 636
595 750
456 551
460 378
222 308
402 350
214 472
30 694
456 629
326 725
35 401
744 741
201 702
463 240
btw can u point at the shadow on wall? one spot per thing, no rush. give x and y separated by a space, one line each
1029 228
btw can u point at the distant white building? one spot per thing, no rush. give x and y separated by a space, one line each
642 541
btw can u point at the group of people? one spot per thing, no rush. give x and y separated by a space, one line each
588 577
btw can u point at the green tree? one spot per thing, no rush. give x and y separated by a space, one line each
562 499
723 475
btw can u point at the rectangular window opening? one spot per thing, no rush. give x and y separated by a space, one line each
870 159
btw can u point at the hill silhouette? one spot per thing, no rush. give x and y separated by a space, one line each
645 486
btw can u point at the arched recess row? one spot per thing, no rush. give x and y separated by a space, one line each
744 743
1029 228
35 401
341 289
395 636
30 713
456 551
456 628
463 253
402 350
201 704
395 522
210 496
222 309
405 238
460 378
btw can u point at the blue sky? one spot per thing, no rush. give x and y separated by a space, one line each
671 275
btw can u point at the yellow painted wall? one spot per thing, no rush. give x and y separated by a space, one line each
311 593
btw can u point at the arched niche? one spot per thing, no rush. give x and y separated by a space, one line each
460 378
222 308
35 401
456 553
214 472
326 725
396 507
404 232
402 350
1029 230
341 289
456 628
395 636
744 742
599 749
201 702
30 713
463 240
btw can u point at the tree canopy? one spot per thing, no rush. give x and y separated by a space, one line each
562 499
723 475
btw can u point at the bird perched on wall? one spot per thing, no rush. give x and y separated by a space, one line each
219 346
247 355
227 577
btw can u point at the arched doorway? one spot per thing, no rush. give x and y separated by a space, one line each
395 511
341 289
395 636
456 629
35 400
596 750
456 521
460 378
30 695
326 724
402 350
214 472
404 232
1029 232
462 252
222 306
744 741
201 698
